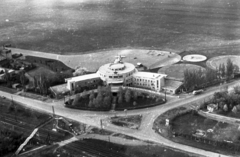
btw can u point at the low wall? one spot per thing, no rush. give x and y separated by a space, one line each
221 118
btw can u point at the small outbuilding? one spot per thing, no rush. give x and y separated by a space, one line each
212 107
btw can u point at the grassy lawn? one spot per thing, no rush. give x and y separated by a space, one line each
177 70
140 102
133 119
220 131
9 90
127 121
161 120
54 65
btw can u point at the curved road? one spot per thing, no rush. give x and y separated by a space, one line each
149 115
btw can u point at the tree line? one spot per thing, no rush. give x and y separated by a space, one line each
101 99
226 101
195 79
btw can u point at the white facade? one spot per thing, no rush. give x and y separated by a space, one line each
75 82
149 80
120 73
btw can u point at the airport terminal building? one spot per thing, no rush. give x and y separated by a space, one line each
118 74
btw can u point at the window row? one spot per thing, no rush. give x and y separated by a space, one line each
143 80
144 84
118 76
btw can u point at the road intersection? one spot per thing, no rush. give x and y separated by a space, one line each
145 132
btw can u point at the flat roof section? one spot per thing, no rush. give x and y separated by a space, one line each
84 77
148 75
172 84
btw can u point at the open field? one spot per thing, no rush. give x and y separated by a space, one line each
83 26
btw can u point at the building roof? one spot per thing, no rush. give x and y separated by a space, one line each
83 77
60 89
119 67
148 75
172 84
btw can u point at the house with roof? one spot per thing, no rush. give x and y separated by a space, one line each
212 107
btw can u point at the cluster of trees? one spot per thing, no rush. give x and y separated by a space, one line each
227 71
101 99
129 96
41 85
7 78
226 101
195 79
80 71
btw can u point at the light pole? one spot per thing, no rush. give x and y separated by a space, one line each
53 112
125 112
14 110
165 95
101 123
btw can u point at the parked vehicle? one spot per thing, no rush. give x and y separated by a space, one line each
195 92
